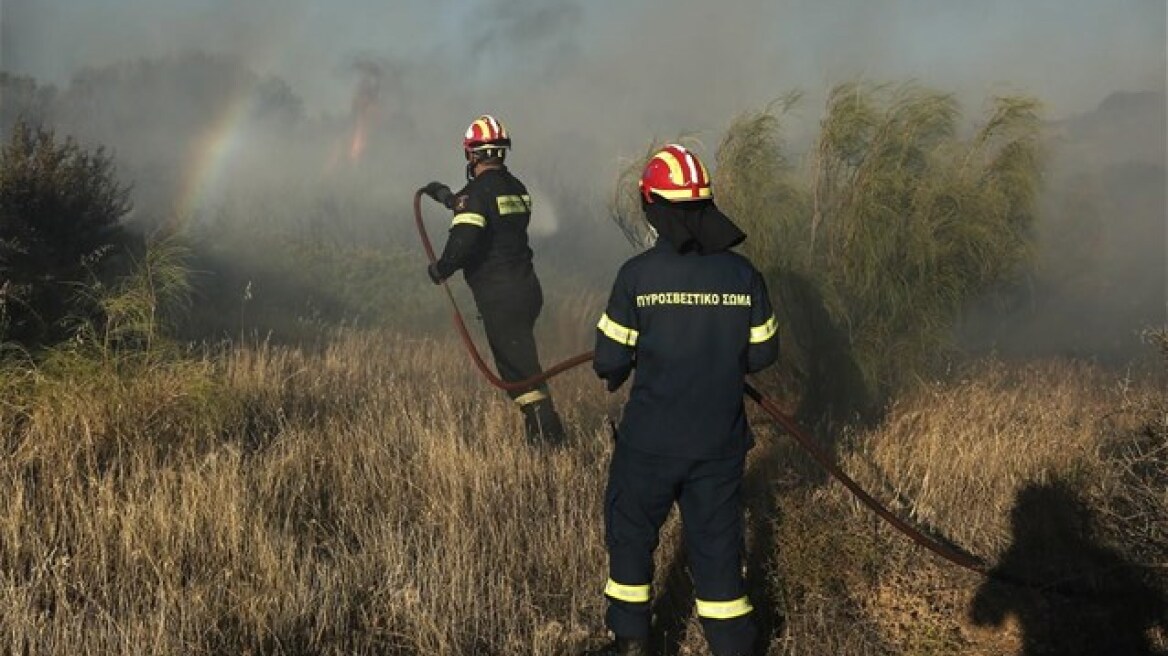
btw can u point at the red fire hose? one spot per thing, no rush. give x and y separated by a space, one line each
788 424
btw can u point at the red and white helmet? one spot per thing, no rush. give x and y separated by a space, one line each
486 135
675 174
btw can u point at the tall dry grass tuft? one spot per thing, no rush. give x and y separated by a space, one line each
144 306
910 221
874 242
760 184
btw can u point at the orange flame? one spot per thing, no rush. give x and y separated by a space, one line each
357 144
365 110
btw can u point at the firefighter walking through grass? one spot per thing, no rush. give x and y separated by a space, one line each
692 318
488 242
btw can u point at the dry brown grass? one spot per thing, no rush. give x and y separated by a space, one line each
366 499
375 497
956 457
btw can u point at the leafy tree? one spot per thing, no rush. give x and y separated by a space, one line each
22 99
60 212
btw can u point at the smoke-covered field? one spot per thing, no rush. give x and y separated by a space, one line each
298 459
269 122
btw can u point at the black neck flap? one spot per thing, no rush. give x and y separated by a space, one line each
693 226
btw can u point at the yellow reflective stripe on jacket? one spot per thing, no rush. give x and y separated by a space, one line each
760 334
616 332
530 397
514 204
634 594
469 218
724 610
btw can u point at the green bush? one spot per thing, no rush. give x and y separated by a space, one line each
60 208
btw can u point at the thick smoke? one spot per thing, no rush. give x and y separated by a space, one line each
603 77
371 98
1102 274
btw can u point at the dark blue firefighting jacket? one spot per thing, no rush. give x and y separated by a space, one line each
488 234
692 326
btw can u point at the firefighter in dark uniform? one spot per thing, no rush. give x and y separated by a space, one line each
488 242
692 318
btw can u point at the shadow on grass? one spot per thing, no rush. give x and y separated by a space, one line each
762 549
1069 594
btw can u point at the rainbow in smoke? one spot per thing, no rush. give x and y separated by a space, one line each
211 157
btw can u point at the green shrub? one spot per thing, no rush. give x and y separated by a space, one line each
60 208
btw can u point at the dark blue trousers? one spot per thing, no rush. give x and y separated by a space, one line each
509 312
642 489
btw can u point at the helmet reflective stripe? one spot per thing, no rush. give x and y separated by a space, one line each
674 173
724 610
689 160
673 155
486 131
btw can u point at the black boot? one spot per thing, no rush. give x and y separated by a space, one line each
542 423
622 647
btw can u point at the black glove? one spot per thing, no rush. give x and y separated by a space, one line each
440 193
435 277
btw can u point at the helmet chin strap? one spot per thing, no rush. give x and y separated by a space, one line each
475 157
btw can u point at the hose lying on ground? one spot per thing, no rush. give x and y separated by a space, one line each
825 460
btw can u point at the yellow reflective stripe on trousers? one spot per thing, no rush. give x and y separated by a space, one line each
470 218
760 334
616 332
724 610
530 397
514 204
634 594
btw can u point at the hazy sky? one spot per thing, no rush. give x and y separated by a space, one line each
584 85
604 77
728 55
